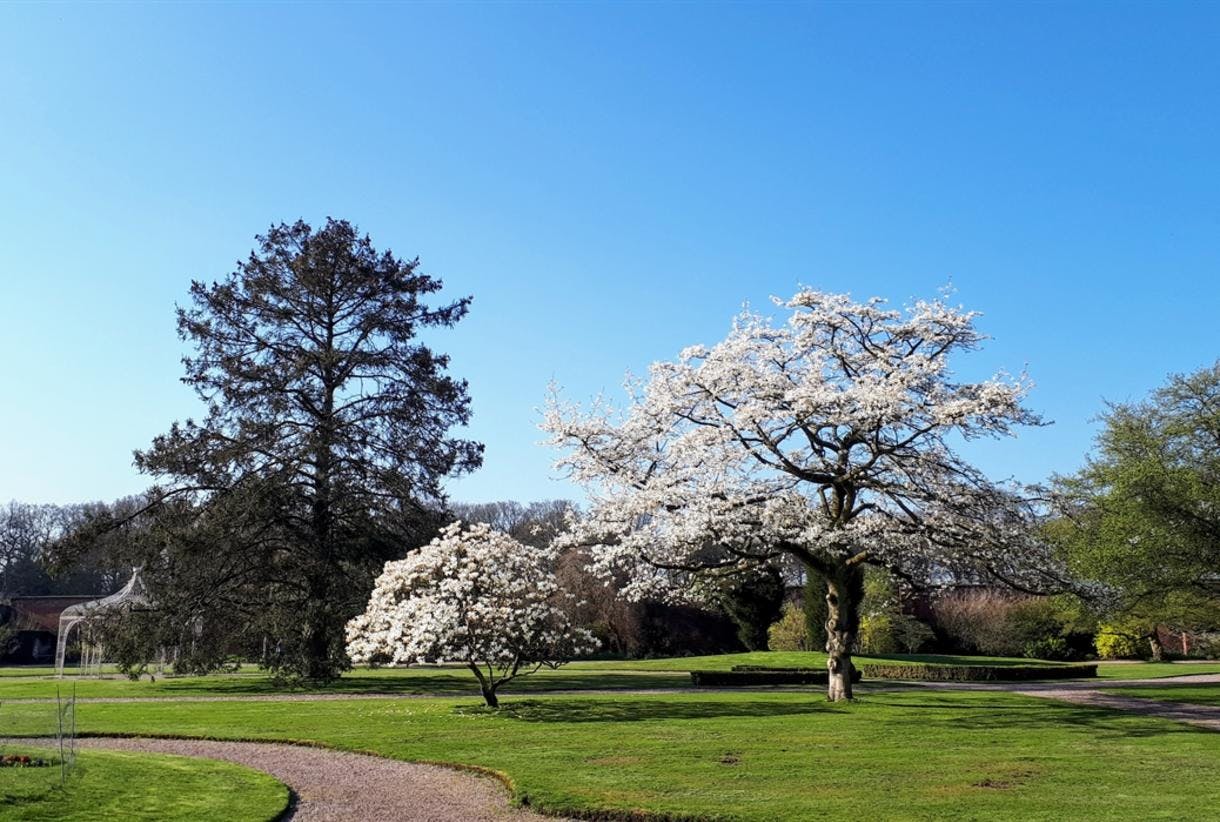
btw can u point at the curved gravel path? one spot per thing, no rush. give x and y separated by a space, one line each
338 786
1205 716
1095 694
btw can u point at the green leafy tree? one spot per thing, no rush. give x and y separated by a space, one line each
1142 518
323 449
754 601
813 607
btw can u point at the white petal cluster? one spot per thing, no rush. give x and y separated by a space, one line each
826 436
472 595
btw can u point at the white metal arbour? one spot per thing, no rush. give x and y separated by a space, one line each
132 595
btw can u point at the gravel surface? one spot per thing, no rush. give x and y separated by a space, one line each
1061 686
1205 716
1090 692
337 786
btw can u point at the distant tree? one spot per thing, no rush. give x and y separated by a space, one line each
535 523
828 439
324 445
473 595
29 533
1142 518
25 532
754 601
813 608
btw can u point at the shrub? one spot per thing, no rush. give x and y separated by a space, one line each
1114 643
1051 647
1207 646
885 628
1003 624
978 673
791 632
911 634
744 676
877 635
942 673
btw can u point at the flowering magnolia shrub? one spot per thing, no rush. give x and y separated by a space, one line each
472 595
827 439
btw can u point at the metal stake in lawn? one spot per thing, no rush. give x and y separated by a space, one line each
59 715
72 739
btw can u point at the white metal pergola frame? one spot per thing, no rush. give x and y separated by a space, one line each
131 595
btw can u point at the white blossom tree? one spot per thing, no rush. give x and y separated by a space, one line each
472 595
827 439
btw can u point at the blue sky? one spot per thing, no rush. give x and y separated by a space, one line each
611 182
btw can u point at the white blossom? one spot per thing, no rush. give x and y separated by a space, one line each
472 595
827 438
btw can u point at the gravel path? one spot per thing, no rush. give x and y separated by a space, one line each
1205 716
1090 692
337 786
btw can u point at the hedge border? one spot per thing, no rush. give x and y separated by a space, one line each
762 676
951 673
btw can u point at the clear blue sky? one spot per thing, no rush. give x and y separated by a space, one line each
610 182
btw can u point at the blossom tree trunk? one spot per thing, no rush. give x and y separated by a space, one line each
844 593
486 687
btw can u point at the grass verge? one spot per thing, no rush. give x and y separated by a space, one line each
1192 694
131 786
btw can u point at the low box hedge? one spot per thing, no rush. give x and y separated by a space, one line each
952 673
762 676
979 673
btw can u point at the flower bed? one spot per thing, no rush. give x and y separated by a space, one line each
23 761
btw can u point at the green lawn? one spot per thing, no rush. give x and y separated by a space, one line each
129 786
1194 694
758 755
408 681
1155 670
600 675
38 683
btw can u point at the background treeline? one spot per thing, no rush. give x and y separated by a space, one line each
775 610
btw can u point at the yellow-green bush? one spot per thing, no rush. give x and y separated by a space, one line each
1112 643
876 635
790 633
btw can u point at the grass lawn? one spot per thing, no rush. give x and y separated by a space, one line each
1154 670
407 681
36 683
752 756
129 786
634 674
1194 694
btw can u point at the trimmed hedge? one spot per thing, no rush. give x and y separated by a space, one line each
979 673
762 676
951 673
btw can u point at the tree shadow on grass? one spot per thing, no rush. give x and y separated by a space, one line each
1030 716
640 710
423 683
